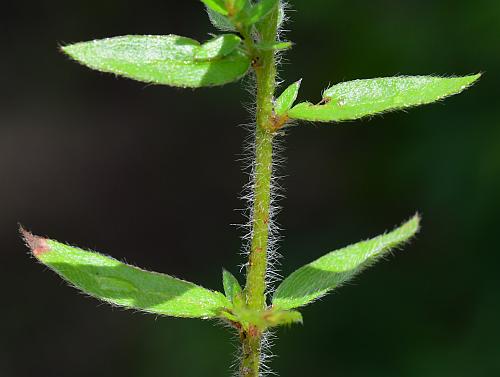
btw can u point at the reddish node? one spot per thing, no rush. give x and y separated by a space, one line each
253 331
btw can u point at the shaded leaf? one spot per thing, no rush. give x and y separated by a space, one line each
168 60
219 21
120 284
276 318
287 98
232 287
239 5
357 99
316 279
218 47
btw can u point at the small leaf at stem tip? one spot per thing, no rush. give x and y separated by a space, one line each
260 10
217 5
317 278
276 46
360 98
287 98
161 59
232 287
127 286
218 47
219 21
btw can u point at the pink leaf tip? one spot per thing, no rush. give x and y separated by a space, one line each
38 245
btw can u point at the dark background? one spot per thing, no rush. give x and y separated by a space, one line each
150 175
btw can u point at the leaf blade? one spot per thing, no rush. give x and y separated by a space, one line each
277 318
317 278
167 60
218 47
285 101
117 283
260 10
219 21
232 287
217 5
360 98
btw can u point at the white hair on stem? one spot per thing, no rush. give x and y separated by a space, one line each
247 158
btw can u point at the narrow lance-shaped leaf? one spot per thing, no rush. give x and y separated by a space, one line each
120 284
169 60
285 101
218 47
357 99
231 285
316 279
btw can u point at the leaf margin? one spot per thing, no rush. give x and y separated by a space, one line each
288 301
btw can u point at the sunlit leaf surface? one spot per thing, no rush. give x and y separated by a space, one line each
169 60
120 284
357 99
317 278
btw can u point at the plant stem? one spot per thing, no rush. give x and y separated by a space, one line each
255 289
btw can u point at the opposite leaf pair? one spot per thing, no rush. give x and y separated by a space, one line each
127 286
183 62
179 61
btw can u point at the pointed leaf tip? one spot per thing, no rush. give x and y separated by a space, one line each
319 277
360 98
117 283
286 100
232 287
36 244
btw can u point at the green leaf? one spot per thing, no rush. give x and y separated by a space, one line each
231 286
276 318
238 5
168 60
219 21
316 279
218 47
217 5
260 10
287 98
265 319
276 46
120 284
357 99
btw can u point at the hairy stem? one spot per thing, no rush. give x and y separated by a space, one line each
255 289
